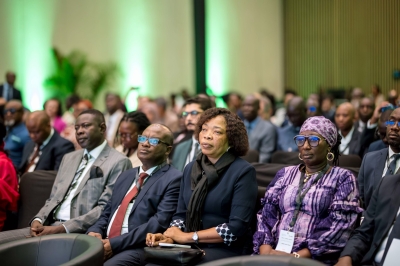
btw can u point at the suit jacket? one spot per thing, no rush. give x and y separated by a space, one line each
51 156
370 173
263 139
379 217
180 154
93 192
16 94
151 212
355 142
376 146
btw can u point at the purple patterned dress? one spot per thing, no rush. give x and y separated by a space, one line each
327 214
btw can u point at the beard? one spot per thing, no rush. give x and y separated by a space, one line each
9 123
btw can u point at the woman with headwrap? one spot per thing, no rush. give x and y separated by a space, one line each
8 182
218 191
312 208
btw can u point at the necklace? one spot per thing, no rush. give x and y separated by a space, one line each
308 175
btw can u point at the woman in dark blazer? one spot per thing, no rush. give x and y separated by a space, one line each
218 191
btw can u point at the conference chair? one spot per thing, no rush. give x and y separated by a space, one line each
252 156
49 250
286 157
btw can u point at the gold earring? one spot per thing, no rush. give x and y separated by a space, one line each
300 157
330 156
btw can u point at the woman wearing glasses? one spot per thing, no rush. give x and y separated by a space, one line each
312 208
132 124
218 191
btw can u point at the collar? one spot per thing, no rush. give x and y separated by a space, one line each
46 141
253 123
349 135
391 152
149 172
194 140
96 151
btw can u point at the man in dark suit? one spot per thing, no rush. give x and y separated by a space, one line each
377 164
83 184
371 241
154 189
261 133
8 91
351 137
185 151
47 147
382 142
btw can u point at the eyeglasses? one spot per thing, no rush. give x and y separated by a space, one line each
193 113
391 123
313 140
125 136
11 110
152 141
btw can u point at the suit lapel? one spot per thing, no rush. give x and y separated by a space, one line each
25 158
380 166
149 183
44 153
99 161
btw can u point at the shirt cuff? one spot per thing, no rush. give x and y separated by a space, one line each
66 230
37 219
371 126
178 223
226 234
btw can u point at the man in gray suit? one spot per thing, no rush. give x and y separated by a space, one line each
83 184
261 133
186 150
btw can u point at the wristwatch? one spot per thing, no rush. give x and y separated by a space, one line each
195 237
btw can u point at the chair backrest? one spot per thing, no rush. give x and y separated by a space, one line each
286 157
270 260
252 156
34 189
350 160
60 249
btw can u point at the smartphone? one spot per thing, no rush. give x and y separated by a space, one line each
168 245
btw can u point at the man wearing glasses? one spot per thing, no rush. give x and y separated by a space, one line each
187 150
17 133
144 200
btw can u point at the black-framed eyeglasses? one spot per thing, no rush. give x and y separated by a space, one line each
193 113
391 123
11 110
313 140
152 141
125 136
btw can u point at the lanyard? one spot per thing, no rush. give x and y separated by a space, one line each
300 196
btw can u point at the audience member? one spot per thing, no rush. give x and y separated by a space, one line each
7 90
314 204
266 109
297 114
356 95
46 148
83 184
234 103
186 151
8 182
365 112
279 118
313 108
132 124
53 109
261 134
150 109
166 115
17 134
217 193
351 138
154 188
378 164
113 117
68 116
393 96
370 243
377 94
82 105
328 107
382 142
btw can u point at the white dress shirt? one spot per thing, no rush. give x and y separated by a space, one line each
192 152
345 142
389 160
382 247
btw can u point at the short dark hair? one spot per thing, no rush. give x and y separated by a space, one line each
235 129
204 103
138 118
99 115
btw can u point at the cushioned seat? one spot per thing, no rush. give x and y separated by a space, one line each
252 156
269 260
49 250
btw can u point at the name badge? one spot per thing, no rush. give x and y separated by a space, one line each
286 240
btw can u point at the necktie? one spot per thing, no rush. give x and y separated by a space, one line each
33 159
78 174
196 150
119 217
392 166
394 234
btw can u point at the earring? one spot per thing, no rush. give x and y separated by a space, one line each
300 157
330 156
228 148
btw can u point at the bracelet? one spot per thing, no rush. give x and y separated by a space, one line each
296 255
